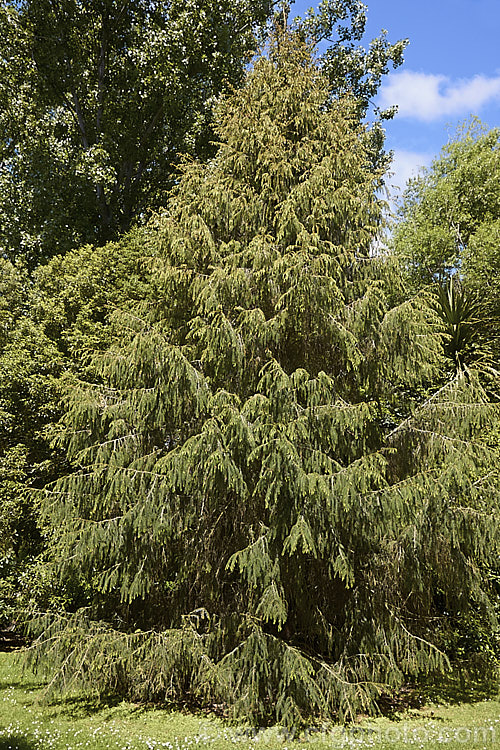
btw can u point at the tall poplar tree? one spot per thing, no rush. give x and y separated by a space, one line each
97 100
259 518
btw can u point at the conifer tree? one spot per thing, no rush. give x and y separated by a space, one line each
249 523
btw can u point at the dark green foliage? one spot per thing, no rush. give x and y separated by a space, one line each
51 325
97 101
29 366
248 527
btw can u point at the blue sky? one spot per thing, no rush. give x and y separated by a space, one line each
451 71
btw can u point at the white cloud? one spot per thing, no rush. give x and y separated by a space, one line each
428 97
406 164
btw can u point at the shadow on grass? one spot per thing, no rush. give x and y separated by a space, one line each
452 689
82 707
459 688
19 684
75 708
15 742
14 672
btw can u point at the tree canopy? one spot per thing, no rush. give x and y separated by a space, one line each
259 514
97 101
79 83
449 217
449 225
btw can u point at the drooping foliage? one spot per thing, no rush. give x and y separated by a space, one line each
50 325
249 525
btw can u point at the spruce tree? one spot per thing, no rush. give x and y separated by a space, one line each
259 515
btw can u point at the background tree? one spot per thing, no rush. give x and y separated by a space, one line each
50 326
248 526
339 25
29 364
97 101
449 225
449 217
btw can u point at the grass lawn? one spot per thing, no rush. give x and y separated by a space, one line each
27 722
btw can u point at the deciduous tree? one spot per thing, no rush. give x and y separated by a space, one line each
97 101
449 218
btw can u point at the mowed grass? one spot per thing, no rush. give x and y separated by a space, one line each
29 722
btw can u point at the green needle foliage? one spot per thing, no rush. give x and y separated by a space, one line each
247 526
